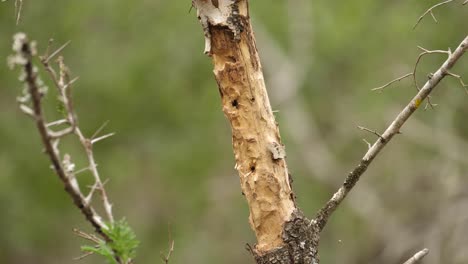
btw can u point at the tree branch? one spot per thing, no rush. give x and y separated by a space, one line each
417 257
63 167
429 11
394 128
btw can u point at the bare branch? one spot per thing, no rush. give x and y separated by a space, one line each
429 11
463 84
417 257
46 58
393 81
424 52
394 128
88 146
370 131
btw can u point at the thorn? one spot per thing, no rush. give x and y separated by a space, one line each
369 145
99 129
93 141
48 58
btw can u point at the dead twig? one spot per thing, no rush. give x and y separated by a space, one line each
166 257
463 84
429 11
371 131
353 177
420 56
392 81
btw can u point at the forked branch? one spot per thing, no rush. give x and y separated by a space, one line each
394 128
431 9
31 104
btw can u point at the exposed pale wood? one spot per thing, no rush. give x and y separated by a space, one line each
259 153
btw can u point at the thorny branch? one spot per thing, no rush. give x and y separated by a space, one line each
30 104
413 74
417 257
394 128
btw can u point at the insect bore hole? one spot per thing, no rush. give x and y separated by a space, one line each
235 103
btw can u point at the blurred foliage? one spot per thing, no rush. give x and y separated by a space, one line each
141 66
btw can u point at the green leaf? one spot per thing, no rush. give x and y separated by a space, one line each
123 245
124 241
102 249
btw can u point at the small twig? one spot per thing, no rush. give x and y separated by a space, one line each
463 84
18 9
88 146
46 58
166 257
86 236
429 11
371 131
417 257
353 177
425 52
392 81
87 254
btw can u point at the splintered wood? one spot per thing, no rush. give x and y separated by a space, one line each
259 153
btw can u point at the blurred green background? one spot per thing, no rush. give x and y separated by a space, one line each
170 165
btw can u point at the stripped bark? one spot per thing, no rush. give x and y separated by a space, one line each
283 234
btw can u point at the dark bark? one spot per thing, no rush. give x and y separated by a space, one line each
301 239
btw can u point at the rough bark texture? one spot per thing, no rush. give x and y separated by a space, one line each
283 234
301 239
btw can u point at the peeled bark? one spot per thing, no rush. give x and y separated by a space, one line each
283 234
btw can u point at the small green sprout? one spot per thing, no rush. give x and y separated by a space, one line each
122 247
